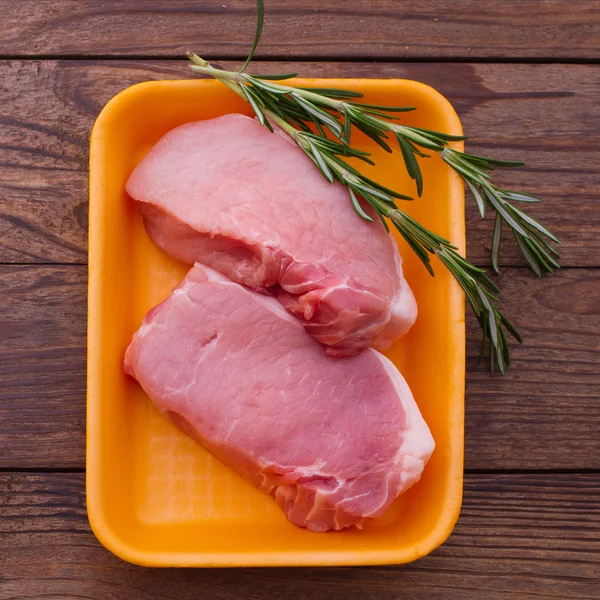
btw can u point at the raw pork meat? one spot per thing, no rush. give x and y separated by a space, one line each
249 203
333 440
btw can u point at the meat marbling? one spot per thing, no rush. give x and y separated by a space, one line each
333 440
249 203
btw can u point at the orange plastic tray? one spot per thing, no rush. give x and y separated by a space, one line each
155 497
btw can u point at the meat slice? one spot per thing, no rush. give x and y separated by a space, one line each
333 440
249 203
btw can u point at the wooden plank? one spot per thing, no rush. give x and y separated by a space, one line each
544 414
547 115
304 28
519 537
42 366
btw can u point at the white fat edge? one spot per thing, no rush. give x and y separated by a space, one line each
417 440
213 275
145 328
271 303
404 302
183 289
403 310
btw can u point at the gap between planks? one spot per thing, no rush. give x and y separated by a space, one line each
316 58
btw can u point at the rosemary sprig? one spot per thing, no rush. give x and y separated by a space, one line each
479 289
280 106
336 111
531 236
333 113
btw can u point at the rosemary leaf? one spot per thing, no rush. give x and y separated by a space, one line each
275 77
496 240
260 17
412 166
478 198
332 92
357 207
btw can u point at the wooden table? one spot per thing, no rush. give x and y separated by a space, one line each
524 77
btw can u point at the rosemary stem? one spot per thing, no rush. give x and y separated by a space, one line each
202 66
235 87
226 77
330 102
197 60
289 129
207 69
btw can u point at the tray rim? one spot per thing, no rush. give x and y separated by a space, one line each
108 538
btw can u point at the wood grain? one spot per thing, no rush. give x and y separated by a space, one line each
520 537
544 114
545 414
304 28
42 366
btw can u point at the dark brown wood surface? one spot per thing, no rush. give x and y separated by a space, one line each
304 28
519 537
525 80
542 114
547 405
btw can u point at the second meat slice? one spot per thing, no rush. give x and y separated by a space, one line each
249 203
333 440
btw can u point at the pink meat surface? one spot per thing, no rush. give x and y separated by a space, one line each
333 440
249 203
